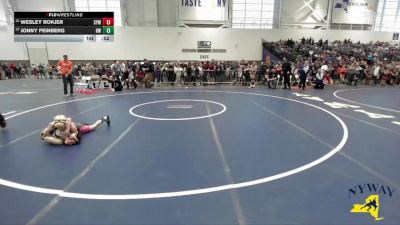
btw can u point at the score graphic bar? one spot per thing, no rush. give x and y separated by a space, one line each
64 26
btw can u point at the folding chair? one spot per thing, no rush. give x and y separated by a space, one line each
83 84
96 82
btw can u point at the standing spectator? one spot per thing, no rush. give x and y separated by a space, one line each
148 69
41 69
253 75
7 71
376 74
211 70
140 77
240 74
342 73
157 72
116 68
286 68
65 68
178 71
196 74
18 69
303 78
324 68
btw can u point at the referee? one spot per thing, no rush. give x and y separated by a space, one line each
287 68
65 68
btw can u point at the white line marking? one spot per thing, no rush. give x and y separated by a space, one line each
358 163
18 93
32 84
36 219
39 89
371 171
21 138
90 109
24 93
371 124
234 195
179 106
176 119
395 122
374 115
376 107
8 113
314 98
186 192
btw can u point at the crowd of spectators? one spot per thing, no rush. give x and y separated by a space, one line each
172 73
342 62
13 70
319 62
22 71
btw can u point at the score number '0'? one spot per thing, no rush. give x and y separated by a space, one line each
108 21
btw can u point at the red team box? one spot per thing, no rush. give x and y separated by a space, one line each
108 21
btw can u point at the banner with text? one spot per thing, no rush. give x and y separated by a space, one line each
203 10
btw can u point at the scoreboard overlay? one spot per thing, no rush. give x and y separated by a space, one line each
64 26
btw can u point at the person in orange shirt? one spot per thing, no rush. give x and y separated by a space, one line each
342 73
65 69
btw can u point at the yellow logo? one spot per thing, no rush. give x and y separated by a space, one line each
370 206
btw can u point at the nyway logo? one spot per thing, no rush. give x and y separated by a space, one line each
371 204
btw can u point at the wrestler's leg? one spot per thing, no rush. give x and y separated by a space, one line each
86 128
53 140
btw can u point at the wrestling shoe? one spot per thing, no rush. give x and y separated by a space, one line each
106 119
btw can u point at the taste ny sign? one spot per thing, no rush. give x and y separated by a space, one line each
203 10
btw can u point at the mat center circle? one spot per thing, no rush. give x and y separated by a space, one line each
185 109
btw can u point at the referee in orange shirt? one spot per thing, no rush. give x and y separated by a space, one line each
65 68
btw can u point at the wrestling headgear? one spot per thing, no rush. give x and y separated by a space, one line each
60 121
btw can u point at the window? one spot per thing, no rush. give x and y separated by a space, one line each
101 6
253 14
4 13
388 16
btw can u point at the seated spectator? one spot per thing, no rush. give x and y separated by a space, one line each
319 82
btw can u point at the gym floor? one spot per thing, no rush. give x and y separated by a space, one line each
201 155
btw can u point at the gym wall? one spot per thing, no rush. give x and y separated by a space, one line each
165 43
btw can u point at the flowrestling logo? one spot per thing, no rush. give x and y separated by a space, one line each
204 44
368 201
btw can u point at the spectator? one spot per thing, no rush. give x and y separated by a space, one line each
303 78
319 83
148 69
286 68
376 75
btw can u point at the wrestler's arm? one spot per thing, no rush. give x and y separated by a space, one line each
47 136
74 131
